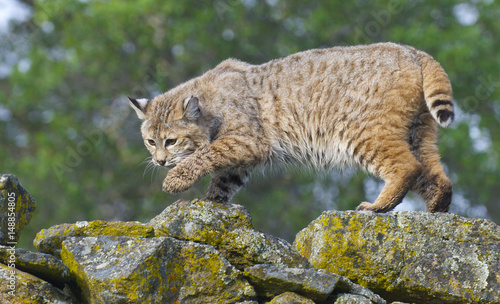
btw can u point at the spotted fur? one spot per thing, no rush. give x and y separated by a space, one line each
375 106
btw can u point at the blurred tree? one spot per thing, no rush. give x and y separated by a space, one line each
70 137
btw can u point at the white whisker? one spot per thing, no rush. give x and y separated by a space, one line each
150 165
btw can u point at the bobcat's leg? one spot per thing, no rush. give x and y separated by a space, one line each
222 154
434 187
433 184
225 184
399 168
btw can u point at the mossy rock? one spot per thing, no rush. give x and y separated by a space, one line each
30 289
290 297
271 281
317 285
408 256
16 209
120 269
42 265
50 240
227 227
351 299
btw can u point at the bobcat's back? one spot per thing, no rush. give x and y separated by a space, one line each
327 106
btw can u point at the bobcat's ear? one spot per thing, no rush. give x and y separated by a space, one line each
190 109
139 105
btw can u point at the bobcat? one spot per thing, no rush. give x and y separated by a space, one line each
374 106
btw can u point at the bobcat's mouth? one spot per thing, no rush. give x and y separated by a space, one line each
165 164
168 165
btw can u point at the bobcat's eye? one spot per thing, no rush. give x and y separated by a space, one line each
151 142
169 142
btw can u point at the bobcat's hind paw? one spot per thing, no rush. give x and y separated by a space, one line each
177 181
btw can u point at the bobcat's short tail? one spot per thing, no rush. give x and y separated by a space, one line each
437 90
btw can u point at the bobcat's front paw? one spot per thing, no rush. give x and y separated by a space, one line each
177 180
373 207
365 206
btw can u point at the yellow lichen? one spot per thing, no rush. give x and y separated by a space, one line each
178 269
346 248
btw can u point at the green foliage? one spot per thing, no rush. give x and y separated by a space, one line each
75 145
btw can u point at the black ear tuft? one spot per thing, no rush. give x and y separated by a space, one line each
139 105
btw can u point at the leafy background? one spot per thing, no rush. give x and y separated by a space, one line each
69 135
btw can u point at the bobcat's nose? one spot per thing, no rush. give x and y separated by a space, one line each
161 162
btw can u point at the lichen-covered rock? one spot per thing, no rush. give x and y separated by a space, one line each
270 281
316 284
119 269
346 286
16 209
20 287
42 265
347 298
228 228
50 240
290 298
409 256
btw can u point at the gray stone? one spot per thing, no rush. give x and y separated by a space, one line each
290 298
347 286
228 228
119 269
16 209
346 298
270 281
44 266
27 288
50 240
409 256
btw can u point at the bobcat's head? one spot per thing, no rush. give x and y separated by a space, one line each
172 129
